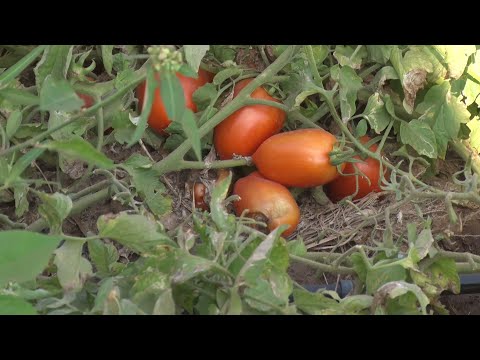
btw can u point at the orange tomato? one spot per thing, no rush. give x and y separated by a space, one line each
268 198
158 119
297 158
242 132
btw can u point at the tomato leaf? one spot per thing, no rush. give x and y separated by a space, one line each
78 148
72 269
378 277
343 54
55 209
172 95
55 63
14 305
58 94
418 135
165 305
20 191
194 55
191 130
21 164
349 83
471 88
13 123
456 58
150 89
103 255
361 128
107 58
380 53
126 228
19 97
394 290
376 113
315 303
24 254
205 95
474 126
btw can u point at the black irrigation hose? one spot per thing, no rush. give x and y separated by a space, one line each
469 284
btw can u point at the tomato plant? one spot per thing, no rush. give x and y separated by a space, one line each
268 198
158 118
297 158
368 180
242 132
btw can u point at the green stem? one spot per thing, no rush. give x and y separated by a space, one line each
11 224
91 189
313 65
463 151
221 164
323 267
77 238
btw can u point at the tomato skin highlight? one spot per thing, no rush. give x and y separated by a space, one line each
269 198
298 158
158 119
246 129
344 186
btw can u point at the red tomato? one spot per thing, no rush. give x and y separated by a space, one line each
268 198
199 191
242 132
297 158
158 119
344 186
87 100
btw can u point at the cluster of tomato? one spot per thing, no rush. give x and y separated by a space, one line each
298 158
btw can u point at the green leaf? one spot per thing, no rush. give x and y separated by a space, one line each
13 123
107 58
361 128
194 55
217 208
133 231
235 303
106 286
19 97
349 83
205 95
24 254
359 266
424 242
380 53
474 126
297 247
191 130
397 289
148 184
67 132
444 113
378 277
14 305
165 304
189 266
21 164
78 148
54 208
72 269
150 94
13 71
471 89
356 304
55 62
172 95
457 58
376 113
443 273
225 74
384 74
315 303
418 135
343 54
58 94
103 255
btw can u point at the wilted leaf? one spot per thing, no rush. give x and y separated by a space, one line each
72 269
54 208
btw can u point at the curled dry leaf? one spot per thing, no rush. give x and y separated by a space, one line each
412 82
